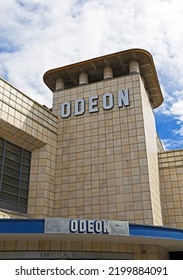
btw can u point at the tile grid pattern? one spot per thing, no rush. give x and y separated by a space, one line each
171 180
102 165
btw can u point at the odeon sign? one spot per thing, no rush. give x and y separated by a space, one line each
85 226
107 103
89 226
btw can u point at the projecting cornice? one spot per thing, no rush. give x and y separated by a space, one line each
119 62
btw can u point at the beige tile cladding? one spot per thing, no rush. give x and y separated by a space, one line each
42 181
139 251
171 182
26 123
102 166
152 156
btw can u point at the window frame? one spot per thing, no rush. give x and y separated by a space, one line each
10 154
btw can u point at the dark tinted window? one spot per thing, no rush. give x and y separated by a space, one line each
14 176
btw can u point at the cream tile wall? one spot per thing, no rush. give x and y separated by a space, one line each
171 180
24 121
152 156
102 166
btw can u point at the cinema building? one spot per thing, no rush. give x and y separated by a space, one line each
89 178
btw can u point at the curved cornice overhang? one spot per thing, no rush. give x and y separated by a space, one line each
119 62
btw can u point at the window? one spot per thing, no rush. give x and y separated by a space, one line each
14 177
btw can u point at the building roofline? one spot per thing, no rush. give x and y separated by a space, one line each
119 62
42 106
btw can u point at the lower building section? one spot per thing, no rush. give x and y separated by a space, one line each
59 238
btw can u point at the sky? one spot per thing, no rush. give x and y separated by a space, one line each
38 35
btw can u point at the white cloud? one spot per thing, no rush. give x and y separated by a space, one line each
171 144
39 35
177 108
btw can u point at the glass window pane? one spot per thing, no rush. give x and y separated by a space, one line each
23 193
25 169
26 154
10 181
9 189
26 162
15 165
12 156
13 148
23 201
11 172
25 177
8 197
25 185
12 164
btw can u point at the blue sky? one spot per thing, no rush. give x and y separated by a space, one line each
39 35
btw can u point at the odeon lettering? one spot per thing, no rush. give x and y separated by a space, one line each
107 103
89 226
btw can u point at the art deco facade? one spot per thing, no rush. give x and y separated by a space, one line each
90 165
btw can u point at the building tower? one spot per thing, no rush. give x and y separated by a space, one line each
106 151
